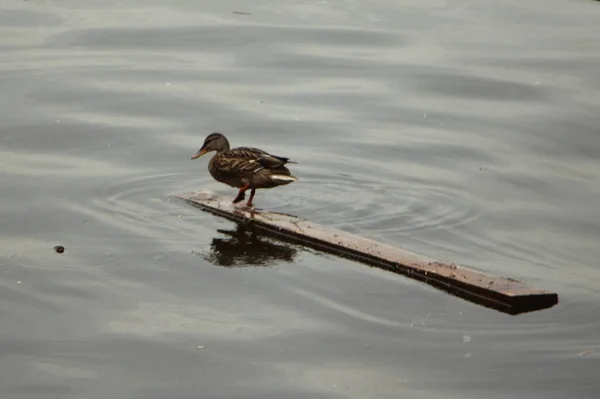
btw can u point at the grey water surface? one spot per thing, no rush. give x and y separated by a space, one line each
468 131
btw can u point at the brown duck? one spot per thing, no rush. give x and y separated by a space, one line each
244 167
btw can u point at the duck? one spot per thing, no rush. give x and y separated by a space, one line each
246 168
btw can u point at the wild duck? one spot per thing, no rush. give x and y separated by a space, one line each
246 168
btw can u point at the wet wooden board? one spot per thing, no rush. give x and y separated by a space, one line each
504 294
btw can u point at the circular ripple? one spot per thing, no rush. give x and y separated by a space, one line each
137 210
368 201
145 211
388 204
136 200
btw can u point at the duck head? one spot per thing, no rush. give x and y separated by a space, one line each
213 142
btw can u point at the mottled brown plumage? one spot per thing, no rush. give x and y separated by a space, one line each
244 167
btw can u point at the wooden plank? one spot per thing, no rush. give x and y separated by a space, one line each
504 294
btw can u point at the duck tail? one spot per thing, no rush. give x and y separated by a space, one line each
283 179
284 159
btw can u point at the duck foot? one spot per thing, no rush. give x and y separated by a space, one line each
242 194
240 197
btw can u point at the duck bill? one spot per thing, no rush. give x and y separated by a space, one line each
199 154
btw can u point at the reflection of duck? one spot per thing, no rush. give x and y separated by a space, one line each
244 167
244 247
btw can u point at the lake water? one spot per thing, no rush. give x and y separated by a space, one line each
464 130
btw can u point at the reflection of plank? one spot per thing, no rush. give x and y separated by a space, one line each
503 294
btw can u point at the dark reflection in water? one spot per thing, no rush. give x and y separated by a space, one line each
244 247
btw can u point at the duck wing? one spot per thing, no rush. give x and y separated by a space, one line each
247 165
255 156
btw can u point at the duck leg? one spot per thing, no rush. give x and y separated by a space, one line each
241 194
249 204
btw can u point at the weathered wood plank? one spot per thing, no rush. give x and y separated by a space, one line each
500 293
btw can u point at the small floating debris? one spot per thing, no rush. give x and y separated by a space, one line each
59 249
242 13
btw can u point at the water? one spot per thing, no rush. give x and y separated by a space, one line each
467 131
